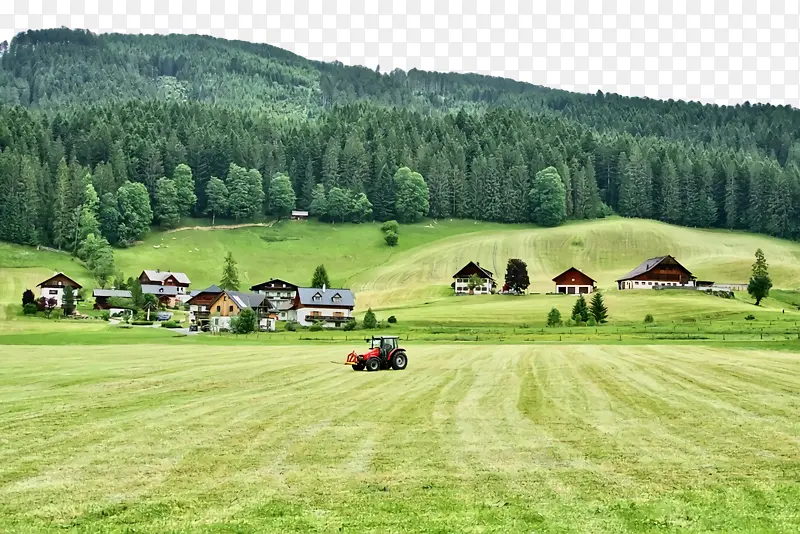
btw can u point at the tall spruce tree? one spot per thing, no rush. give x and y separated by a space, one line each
230 274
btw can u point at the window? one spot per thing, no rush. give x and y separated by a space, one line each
230 308
317 297
316 314
218 308
53 292
338 314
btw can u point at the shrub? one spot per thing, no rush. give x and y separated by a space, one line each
648 319
391 238
750 317
316 327
591 322
105 316
370 322
170 324
350 325
390 226
141 322
392 319
245 323
30 308
291 326
124 326
554 318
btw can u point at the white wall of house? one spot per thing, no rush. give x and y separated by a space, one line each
53 293
574 290
304 315
649 284
462 287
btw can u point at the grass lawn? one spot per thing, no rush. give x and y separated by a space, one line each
557 438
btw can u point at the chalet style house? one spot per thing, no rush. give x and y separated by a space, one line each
329 306
663 271
573 281
280 293
200 304
229 304
53 287
461 280
169 287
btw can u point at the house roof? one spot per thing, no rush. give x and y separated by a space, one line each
272 281
153 289
475 267
160 276
574 269
302 213
649 265
249 300
306 296
74 283
119 293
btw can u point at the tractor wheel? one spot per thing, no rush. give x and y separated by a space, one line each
399 361
358 367
373 364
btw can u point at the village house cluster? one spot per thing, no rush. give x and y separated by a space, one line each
662 272
213 307
273 301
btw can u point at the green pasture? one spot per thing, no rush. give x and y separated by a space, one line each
566 438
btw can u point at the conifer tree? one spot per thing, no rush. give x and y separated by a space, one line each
230 274
580 312
320 277
598 309
760 281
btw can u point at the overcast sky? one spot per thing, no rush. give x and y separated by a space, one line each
709 50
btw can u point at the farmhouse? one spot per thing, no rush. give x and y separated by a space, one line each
229 304
461 282
299 215
663 271
101 297
280 293
332 307
200 304
54 286
573 281
169 287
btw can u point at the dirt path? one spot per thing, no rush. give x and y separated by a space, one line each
221 227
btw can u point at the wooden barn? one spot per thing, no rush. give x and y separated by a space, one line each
663 271
573 281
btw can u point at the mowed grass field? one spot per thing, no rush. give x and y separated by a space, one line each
467 439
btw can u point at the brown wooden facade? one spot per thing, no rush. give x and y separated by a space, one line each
573 281
655 272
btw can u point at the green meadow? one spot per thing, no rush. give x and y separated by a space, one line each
500 424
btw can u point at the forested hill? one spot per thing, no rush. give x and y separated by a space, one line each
102 135
50 68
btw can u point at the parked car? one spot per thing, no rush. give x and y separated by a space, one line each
163 316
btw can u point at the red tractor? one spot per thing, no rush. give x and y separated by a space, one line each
383 353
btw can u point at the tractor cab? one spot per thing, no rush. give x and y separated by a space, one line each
386 344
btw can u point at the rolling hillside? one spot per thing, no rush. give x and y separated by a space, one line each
419 269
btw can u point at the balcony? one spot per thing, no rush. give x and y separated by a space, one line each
327 318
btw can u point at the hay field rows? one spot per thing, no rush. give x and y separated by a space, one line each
468 439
